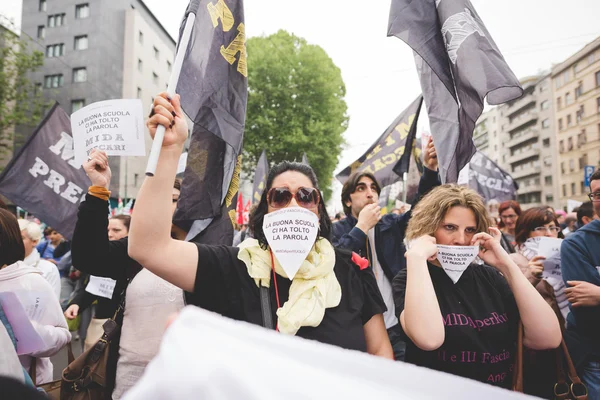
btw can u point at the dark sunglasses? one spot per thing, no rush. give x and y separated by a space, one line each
282 197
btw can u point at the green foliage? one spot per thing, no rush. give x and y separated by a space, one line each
295 105
21 103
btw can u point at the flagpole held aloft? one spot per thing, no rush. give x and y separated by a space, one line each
173 80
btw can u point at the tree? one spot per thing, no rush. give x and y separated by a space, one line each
295 105
21 102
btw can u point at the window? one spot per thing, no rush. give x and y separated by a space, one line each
558 103
568 99
548 161
169 66
564 190
562 167
56 20
560 124
53 81
549 198
135 180
141 37
41 32
79 75
155 78
569 121
546 142
557 82
581 164
82 11
591 59
566 76
55 50
77 104
546 123
545 105
81 42
598 78
42 6
581 187
140 65
598 104
579 114
571 165
139 93
548 180
579 90
581 138
570 144
573 189
156 53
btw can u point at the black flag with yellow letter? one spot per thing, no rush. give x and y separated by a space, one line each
383 156
260 178
213 86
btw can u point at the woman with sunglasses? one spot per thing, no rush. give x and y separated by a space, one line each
539 222
330 299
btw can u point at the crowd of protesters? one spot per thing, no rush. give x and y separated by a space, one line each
371 282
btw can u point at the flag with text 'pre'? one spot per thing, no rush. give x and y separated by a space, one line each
388 150
43 177
213 86
459 65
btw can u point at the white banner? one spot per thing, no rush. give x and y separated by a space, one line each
114 126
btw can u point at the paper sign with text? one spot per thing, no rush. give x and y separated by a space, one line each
113 126
548 246
456 259
291 233
28 340
102 287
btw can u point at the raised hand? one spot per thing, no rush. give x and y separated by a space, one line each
168 112
430 158
97 169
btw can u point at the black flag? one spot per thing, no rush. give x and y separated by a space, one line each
43 177
458 64
381 158
488 179
260 178
213 86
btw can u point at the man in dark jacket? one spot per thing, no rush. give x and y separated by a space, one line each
580 266
380 238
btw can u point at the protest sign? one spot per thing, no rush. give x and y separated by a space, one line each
113 126
456 259
102 287
291 234
28 340
548 246
573 204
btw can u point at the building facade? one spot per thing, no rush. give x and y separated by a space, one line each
101 50
576 83
488 133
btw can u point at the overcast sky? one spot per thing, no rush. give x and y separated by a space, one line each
378 71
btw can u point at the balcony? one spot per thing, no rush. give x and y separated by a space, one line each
526 172
523 155
524 136
523 119
530 189
527 100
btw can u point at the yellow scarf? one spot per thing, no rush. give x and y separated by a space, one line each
313 289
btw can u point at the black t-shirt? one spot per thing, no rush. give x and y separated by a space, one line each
480 324
224 286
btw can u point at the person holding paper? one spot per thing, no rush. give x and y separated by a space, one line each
31 233
118 228
36 296
289 273
459 316
534 224
150 300
379 238
580 265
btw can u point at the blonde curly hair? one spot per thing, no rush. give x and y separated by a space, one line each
429 213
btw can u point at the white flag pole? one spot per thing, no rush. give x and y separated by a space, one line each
174 78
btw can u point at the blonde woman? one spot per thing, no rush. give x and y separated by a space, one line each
467 328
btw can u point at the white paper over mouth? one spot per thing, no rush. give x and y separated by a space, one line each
291 234
456 259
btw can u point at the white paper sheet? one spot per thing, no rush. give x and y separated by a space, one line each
102 287
456 259
291 233
548 246
114 126
18 315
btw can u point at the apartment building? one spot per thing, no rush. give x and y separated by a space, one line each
100 50
488 133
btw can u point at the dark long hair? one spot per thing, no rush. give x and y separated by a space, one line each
257 216
531 219
12 248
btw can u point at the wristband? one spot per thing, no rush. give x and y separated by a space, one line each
100 192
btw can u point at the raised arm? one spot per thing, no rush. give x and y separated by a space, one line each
541 328
150 242
421 318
